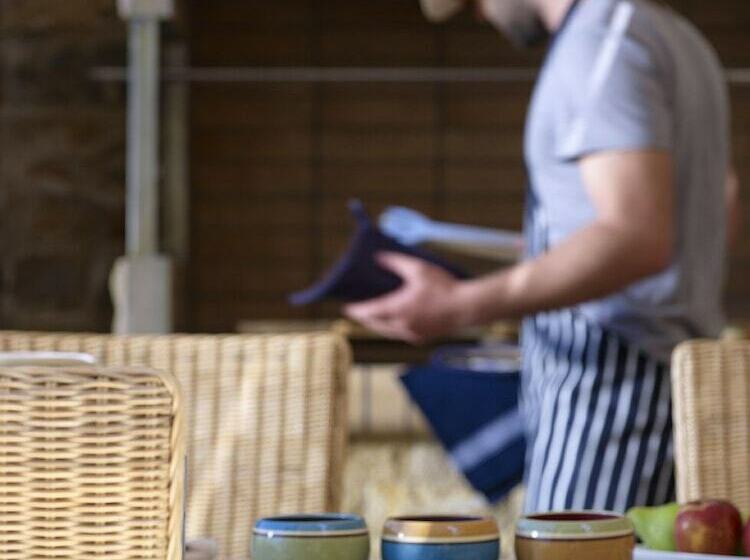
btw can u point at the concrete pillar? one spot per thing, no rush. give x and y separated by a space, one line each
142 281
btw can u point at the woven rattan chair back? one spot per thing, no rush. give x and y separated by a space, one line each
267 422
91 464
711 392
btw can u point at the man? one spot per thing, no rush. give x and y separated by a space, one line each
627 149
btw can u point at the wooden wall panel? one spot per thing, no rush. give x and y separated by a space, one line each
237 105
373 180
498 106
378 47
237 47
273 165
378 106
383 14
469 45
244 14
222 181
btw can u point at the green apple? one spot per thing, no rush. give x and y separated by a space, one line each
655 525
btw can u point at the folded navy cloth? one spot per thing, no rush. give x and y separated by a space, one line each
357 276
472 407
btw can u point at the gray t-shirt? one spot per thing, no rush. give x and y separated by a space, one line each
625 75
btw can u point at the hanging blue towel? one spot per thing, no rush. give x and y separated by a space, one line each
470 399
357 275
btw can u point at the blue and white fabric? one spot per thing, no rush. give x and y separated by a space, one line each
476 416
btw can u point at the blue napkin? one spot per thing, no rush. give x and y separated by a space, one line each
474 412
357 276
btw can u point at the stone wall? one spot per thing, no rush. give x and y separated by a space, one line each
61 172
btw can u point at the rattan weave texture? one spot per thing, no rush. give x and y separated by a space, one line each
711 392
91 464
266 416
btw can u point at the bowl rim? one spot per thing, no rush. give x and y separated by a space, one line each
574 525
440 529
40 358
312 525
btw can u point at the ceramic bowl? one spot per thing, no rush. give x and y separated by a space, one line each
441 538
574 536
45 359
311 537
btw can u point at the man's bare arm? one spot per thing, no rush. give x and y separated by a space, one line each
632 238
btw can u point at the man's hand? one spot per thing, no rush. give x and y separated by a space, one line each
426 306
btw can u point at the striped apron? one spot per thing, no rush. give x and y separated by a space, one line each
598 418
597 410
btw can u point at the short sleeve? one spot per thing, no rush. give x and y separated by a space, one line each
616 95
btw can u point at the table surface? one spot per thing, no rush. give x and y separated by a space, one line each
645 554
371 348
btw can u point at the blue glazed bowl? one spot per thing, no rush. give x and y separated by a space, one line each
441 538
311 537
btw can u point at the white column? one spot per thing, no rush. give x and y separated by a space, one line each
142 202
141 281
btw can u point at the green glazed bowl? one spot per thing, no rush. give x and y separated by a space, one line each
574 535
327 536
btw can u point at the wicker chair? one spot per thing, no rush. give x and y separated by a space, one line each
266 420
711 392
92 464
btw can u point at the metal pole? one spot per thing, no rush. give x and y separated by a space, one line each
142 207
312 74
176 168
141 282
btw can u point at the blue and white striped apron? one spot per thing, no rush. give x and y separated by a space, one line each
597 410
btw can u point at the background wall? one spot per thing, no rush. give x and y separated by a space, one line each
61 163
272 164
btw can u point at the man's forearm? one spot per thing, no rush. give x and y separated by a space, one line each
597 261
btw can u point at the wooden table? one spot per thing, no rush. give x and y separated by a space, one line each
371 348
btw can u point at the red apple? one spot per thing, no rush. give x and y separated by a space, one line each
708 527
746 538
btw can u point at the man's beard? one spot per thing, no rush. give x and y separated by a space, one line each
528 34
517 20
